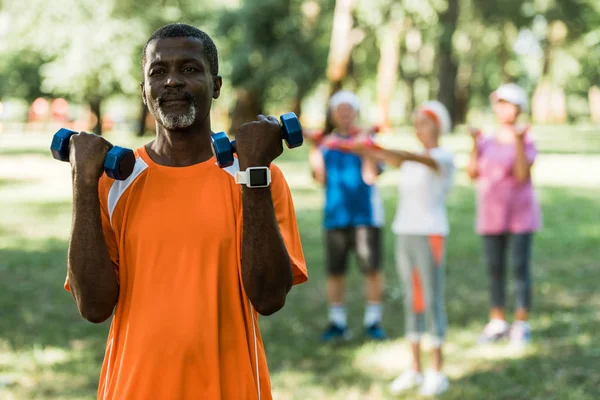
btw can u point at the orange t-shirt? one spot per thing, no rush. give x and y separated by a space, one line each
183 327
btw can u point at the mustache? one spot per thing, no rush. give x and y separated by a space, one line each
171 96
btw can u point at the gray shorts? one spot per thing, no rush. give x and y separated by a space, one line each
365 240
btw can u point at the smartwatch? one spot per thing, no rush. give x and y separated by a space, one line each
254 177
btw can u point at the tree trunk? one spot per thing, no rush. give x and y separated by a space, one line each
341 44
334 87
96 109
297 106
549 99
142 120
463 91
547 58
411 104
448 66
387 71
594 100
297 103
247 106
504 55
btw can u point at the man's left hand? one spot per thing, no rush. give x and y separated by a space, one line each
259 142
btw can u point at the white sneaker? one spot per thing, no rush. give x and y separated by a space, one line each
520 333
406 381
494 331
434 383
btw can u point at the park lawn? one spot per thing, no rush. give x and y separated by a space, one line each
48 352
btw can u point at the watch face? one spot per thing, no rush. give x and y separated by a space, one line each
258 177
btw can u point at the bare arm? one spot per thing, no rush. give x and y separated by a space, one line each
91 276
92 280
397 157
266 269
473 158
317 165
370 170
522 167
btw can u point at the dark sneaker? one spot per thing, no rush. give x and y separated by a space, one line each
375 332
335 332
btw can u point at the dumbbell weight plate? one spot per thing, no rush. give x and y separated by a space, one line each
60 144
119 163
292 130
222 149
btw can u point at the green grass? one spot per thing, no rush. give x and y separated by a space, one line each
48 352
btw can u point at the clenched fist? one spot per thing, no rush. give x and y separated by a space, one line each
259 142
87 154
520 131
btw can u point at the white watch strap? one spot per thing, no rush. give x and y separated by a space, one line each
241 177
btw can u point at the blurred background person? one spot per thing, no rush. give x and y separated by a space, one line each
421 227
353 217
508 213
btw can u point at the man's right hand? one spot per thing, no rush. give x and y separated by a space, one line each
87 154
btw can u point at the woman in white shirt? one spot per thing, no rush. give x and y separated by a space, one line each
421 226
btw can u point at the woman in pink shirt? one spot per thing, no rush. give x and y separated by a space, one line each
507 210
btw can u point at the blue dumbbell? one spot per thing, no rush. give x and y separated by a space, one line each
291 132
118 164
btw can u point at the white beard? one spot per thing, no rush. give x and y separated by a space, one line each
177 121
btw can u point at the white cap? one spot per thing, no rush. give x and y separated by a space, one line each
344 97
440 111
513 94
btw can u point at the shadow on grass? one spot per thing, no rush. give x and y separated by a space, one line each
38 313
561 372
26 152
565 252
10 182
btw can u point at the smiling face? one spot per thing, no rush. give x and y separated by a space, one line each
506 113
344 117
427 130
178 86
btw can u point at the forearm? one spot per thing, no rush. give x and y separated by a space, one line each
472 164
370 170
391 157
92 280
397 157
317 165
266 267
521 169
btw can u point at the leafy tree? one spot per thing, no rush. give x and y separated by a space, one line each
273 56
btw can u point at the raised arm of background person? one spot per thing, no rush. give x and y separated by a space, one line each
523 164
396 157
90 274
472 169
266 267
370 170
317 164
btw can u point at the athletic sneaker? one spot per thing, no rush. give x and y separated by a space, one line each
406 381
335 332
434 383
520 333
495 330
375 332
